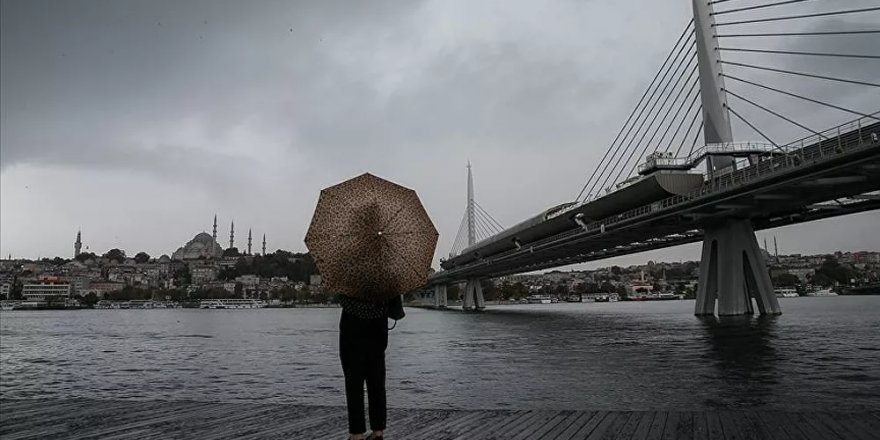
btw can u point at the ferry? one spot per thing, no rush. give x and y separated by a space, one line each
539 299
232 304
821 292
785 293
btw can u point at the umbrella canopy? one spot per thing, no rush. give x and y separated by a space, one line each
371 239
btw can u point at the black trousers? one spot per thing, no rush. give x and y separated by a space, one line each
362 344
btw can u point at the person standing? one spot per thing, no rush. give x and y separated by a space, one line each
363 338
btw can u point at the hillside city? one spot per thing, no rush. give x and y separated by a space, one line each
202 270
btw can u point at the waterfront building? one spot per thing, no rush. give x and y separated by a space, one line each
5 289
202 273
45 291
101 288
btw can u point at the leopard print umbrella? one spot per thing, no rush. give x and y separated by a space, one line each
371 239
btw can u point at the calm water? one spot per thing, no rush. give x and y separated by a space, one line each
824 353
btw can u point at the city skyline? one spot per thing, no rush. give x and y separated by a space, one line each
135 128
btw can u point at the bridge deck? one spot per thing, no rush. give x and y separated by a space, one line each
126 419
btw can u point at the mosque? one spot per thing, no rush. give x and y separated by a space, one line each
204 246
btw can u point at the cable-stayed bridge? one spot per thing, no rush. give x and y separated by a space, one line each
676 174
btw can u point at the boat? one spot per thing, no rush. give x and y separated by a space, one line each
602 299
785 293
232 304
539 299
7 305
821 292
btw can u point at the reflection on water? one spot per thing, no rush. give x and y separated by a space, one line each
823 353
742 348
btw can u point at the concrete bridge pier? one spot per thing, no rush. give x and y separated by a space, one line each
733 271
440 296
473 295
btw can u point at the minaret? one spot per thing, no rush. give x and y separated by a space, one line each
471 223
264 245
232 235
250 238
215 228
77 247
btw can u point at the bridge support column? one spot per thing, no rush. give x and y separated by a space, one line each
473 295
733 271
440 296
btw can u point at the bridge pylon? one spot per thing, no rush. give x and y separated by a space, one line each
440 296
733 271
473 296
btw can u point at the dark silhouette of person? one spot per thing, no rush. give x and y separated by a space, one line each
363 338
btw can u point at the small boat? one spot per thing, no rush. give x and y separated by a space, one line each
821 292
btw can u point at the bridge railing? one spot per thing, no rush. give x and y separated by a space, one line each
807 151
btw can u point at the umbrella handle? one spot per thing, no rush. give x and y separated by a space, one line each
394 325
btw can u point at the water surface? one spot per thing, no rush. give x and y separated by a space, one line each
823 353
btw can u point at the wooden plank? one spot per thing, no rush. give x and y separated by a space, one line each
565 425
812 429
164 417
632 423
713 424
750 427
533 420
491 425
575 426
643 430
122 414
467 425
587 428
452 426
86 411
844 429
679 426
297 426
730 425
611 426
701 427
655 432
547 426
774 427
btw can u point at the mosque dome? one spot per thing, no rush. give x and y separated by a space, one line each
201 246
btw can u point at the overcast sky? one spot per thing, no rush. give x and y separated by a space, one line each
137 121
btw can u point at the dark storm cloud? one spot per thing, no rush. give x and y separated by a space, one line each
257 105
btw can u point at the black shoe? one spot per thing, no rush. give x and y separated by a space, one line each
372 437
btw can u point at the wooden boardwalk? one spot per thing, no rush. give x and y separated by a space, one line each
126 419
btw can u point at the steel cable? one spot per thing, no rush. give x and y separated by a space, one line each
662 121
639 129
686 133
642 139
795 17
772 112
792 52
750 8
732 111
798 34
816 101
657 75
808 75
